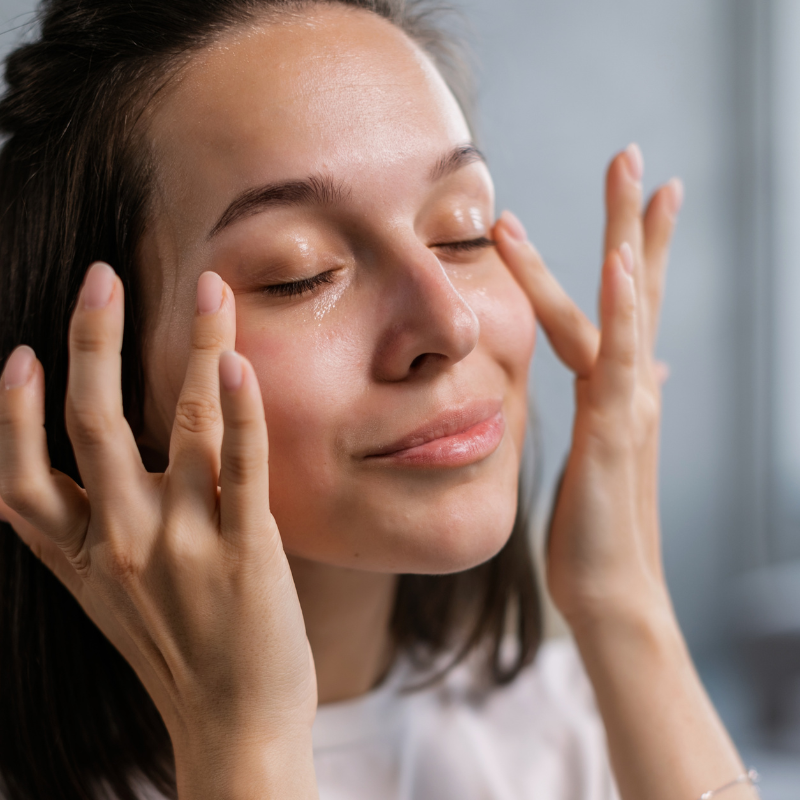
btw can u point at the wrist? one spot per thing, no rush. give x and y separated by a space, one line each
247 770
648 629
641 672
647 610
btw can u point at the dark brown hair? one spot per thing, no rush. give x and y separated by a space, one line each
74 719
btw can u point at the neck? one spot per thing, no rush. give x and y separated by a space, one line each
347 614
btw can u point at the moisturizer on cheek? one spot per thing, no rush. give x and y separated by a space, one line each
326 302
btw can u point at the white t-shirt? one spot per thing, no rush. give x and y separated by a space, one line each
539 738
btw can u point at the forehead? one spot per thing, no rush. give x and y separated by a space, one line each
332 90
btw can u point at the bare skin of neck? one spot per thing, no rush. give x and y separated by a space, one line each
347 614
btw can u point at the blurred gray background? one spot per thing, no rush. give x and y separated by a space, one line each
710 89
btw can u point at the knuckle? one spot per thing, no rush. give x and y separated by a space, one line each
197 415
626 357
19 494
242 425
122 564
242 464
86 424
648 411
623 355
208 339
86 338
183 547
8 422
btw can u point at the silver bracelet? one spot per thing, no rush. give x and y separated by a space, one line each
751 777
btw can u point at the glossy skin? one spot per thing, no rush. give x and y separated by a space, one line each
409 340
403 333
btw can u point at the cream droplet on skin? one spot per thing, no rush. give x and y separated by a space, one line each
476 218
303 245
324 304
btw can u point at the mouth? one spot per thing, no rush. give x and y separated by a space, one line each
455 438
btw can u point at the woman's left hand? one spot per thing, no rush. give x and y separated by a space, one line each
604 563
604 549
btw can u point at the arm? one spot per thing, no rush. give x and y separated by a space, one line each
184 572
604 565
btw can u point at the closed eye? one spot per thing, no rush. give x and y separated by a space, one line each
294 288
466 246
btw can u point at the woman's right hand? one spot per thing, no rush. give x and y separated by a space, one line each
184 571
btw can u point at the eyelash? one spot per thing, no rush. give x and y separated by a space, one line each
295 288
481 243
299 287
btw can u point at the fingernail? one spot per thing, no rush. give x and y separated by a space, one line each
626 254
230 370
209 293
677 195
635 159
514 227
98 286
19 367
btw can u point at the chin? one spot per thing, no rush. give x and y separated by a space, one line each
421 529
455 543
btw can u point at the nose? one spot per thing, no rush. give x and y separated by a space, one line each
429 325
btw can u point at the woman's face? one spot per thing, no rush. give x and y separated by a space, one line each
390 342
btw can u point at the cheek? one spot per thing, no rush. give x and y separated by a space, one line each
509 325
309 377
508 335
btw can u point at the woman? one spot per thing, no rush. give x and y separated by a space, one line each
304 242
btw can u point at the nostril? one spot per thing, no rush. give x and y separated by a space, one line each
425 360
418 361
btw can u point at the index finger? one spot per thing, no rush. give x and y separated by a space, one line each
574 338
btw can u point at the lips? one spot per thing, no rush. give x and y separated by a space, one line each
455 437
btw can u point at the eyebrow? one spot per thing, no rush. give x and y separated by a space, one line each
459 157
318 189
323 190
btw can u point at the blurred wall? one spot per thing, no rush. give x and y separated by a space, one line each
563 85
